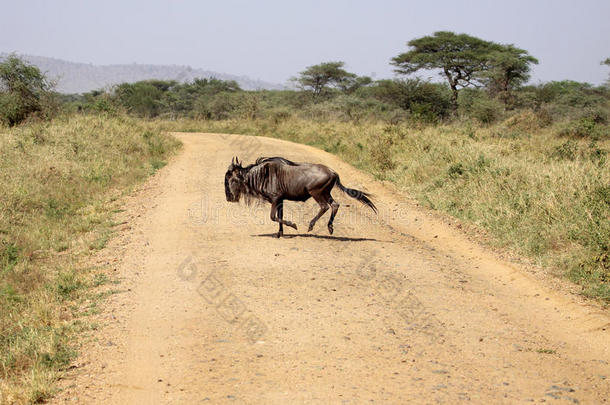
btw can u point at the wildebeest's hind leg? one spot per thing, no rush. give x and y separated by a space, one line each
334 208
323 202
274 216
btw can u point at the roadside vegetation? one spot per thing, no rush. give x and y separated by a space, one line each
58 181
526 163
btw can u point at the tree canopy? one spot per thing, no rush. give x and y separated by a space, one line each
465 61
318 78
509 67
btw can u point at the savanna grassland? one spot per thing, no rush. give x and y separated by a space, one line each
59 181
527 164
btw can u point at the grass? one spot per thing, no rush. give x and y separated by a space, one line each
59 183
537 190
546 351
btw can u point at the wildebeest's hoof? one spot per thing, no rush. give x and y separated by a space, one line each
290 224
279 234
330 229
310 228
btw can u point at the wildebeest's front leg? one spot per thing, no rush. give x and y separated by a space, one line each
280 215
278 205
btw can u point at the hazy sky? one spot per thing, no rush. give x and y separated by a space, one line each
275 39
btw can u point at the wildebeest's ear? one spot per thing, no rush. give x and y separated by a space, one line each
232 161
237 162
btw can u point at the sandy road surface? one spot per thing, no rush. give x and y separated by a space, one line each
399 308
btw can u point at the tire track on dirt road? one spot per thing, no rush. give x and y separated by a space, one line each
393 309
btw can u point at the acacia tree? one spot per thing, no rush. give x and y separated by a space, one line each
318 78
460 57
509 67
351 85
607 63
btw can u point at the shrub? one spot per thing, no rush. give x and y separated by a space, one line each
425 100
219 106
144 99
527 121
564 99
248 105
279 115
596 114
565 151
423 113
24 91
585 127
455 170
478 105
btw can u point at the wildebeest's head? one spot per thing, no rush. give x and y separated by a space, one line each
234 181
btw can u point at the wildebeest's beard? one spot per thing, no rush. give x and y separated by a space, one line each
228 192
237 184
234 184
231 191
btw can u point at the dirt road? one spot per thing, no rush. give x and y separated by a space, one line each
392 309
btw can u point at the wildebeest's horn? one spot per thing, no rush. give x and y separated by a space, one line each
232 161
237 160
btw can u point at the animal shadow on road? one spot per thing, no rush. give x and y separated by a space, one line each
311 235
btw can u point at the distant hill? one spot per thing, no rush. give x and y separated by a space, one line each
75 77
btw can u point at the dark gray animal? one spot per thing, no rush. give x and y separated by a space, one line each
275 179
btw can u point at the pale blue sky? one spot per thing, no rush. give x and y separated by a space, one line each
275 39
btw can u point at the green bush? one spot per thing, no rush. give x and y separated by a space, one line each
597 114
218 106
279 115
565 151
24 91
145 98
528 120
248 105
584 127
424 100
389 101
12 110
478 105
565 99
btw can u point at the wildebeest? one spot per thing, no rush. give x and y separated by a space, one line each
275 179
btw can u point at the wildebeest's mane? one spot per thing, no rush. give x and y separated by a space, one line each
264 159
256 178
258 175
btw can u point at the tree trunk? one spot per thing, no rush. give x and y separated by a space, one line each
454 90
454 99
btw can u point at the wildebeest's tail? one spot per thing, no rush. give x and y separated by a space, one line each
357 194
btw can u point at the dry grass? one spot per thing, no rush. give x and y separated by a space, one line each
538 193
57 182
